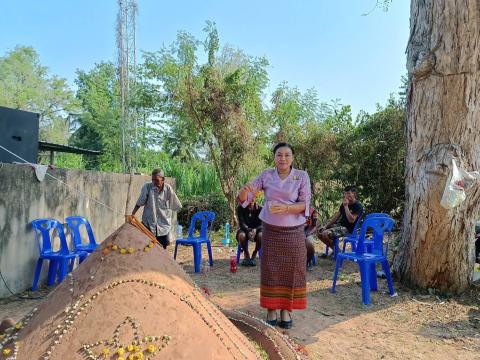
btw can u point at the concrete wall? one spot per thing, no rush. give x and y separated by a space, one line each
23 198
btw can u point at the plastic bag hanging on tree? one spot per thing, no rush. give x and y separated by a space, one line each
458 181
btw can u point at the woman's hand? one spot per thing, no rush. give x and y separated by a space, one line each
243 194
248 187
279 209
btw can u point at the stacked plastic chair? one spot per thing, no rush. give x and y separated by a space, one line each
351 238
60 261
74 224
367 260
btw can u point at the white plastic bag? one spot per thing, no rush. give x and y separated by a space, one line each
458 181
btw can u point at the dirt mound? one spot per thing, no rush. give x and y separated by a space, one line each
128 300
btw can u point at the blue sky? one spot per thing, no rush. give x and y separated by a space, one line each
324 44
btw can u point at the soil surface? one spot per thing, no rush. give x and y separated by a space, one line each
411 325
129 299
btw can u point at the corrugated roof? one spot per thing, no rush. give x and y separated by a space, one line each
46 146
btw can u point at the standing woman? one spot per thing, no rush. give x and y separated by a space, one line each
287 200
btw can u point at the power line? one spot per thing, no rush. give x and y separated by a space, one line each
61 181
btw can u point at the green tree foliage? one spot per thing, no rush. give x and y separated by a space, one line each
219 102
100 123
337 151
319 153
206 125
195 178
214 201
313 129
25 84
374 158
99 129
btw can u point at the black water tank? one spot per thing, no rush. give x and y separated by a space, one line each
19 134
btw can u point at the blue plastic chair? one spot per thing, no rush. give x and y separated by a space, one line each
376 215
60 259
347 238
352 239
206 218
367 260
74 223
369 242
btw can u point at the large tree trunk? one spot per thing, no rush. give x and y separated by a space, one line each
443 121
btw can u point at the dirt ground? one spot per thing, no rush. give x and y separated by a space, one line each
411 325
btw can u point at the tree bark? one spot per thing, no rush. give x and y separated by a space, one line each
443 122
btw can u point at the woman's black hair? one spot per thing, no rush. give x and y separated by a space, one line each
283 144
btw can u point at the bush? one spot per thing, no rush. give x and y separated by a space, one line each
212 202
193 178
374 159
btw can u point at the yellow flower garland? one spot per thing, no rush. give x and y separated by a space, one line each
6 351
125 251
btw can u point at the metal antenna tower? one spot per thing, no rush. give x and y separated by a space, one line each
127 66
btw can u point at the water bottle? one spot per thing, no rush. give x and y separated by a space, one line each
227 231
233 261
179 231
226 237
205 267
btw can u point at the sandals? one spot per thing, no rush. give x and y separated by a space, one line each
282 323
271 322
286 324
248 262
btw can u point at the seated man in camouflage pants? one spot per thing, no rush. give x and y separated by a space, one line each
250 229
344 220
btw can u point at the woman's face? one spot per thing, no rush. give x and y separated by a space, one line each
283 158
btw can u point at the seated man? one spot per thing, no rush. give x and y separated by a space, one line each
344 220
310 230
250 229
